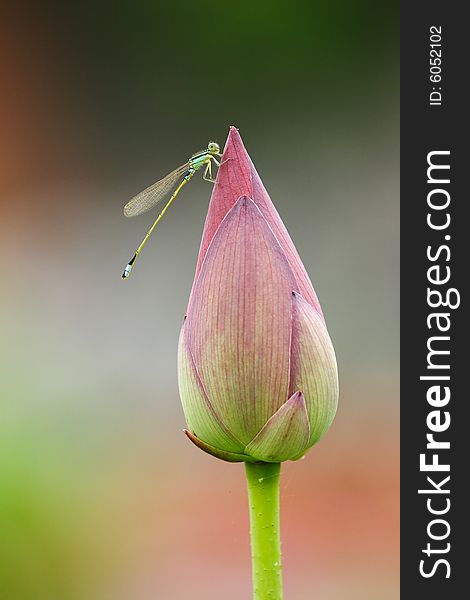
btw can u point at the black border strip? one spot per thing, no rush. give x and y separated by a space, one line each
426 128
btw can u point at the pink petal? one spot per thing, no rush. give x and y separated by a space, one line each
285 436
239 321
313 367
237 177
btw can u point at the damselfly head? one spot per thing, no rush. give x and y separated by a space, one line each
213 147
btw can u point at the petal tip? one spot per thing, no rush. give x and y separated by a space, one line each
285 435
297 398
234 139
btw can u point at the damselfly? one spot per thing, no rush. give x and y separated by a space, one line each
156 193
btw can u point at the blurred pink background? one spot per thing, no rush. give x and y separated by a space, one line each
101 495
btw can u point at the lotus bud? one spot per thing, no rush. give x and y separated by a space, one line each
256 366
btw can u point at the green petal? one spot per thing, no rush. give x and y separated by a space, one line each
313 367
285 436
217 452
198 410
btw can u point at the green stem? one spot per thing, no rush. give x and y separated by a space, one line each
263 496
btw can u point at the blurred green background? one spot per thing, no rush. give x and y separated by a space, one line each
101 495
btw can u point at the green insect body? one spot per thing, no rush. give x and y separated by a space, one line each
154 194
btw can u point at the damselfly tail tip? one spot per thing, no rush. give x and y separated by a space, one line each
128 269
126 272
